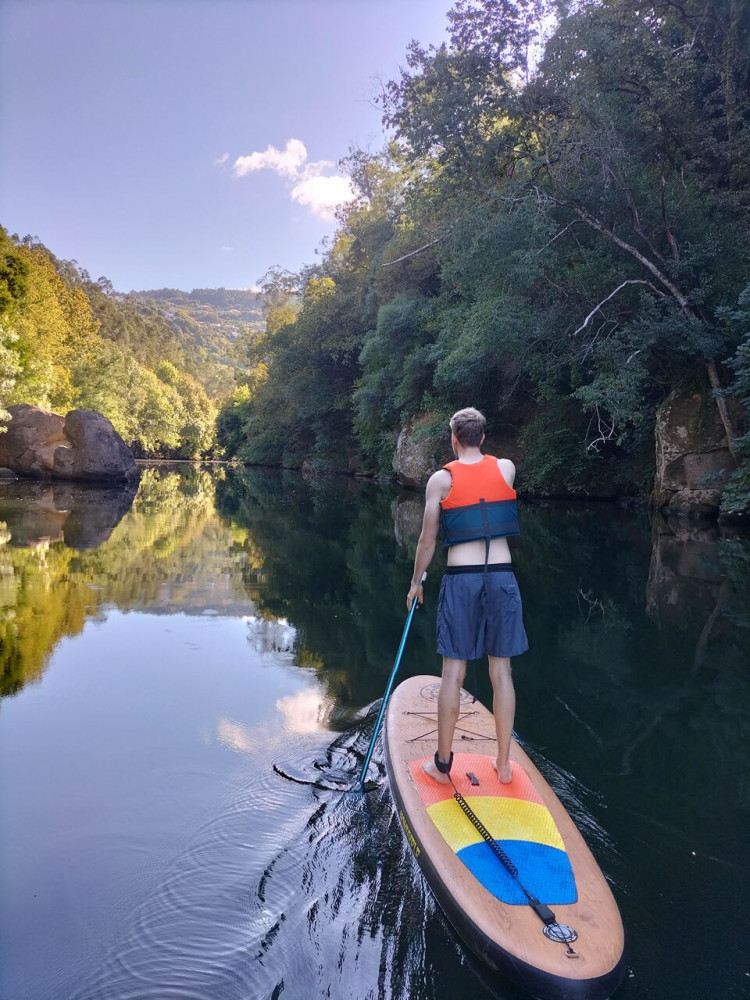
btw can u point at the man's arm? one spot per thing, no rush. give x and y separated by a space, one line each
437 488
507 469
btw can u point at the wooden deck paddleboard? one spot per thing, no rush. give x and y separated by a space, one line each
478 895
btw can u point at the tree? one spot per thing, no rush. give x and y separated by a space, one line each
614 139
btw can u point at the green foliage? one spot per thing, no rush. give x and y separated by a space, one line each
553 237
214 327
67 341
397 361
14 271
48 324
554 457
735 497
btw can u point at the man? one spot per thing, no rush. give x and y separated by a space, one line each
479 609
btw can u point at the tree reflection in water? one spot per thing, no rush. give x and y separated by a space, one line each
636 684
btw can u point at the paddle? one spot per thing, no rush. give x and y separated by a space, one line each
302 779
387 694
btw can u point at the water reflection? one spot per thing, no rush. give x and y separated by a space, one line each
72 552
328 563
636 684
83 517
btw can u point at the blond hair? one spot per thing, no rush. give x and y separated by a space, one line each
469 426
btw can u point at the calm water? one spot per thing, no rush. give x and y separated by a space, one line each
160 654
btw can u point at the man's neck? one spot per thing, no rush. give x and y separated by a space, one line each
469 456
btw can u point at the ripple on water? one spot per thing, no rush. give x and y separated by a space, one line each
277 886
296 892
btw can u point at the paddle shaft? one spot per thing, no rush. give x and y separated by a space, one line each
391 679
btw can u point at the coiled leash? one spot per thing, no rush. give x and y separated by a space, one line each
560 933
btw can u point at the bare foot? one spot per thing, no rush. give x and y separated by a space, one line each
429 768
504 773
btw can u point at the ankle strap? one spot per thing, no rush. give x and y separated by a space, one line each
443 766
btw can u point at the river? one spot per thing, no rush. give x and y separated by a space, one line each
160 653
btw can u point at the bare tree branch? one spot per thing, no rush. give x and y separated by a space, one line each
669 234
414 252
721 402
597 307
605 431
573 223
648 264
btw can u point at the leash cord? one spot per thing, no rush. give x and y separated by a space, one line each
543 911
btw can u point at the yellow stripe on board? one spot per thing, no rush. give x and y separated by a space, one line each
505 818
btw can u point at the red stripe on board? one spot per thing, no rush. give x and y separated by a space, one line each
430 791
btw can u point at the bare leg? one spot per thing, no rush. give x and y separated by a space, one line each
449 698
504 710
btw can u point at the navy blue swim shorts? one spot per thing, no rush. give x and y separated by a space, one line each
480 614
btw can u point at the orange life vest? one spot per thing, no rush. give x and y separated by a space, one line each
480 504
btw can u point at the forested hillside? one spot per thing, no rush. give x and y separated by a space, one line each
68 341
216 322
559 233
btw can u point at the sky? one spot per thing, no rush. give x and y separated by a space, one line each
191 143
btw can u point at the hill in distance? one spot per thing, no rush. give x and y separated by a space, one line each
216 320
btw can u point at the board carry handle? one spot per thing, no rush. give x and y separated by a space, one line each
391 679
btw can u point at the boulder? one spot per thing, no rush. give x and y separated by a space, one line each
84 446
28 445
96 451
420 450
692 457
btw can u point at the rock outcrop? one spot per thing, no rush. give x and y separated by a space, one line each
419 451
692 457
407 520
82 446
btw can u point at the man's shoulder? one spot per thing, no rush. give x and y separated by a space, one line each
439 483
507 470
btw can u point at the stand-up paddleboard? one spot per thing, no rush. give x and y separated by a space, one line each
575 955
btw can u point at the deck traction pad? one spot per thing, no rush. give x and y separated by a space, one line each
517 819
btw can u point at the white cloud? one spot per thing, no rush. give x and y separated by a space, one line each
225 249
288 162
221 159
323 195
313 184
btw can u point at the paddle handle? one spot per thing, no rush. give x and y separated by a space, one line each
391 679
